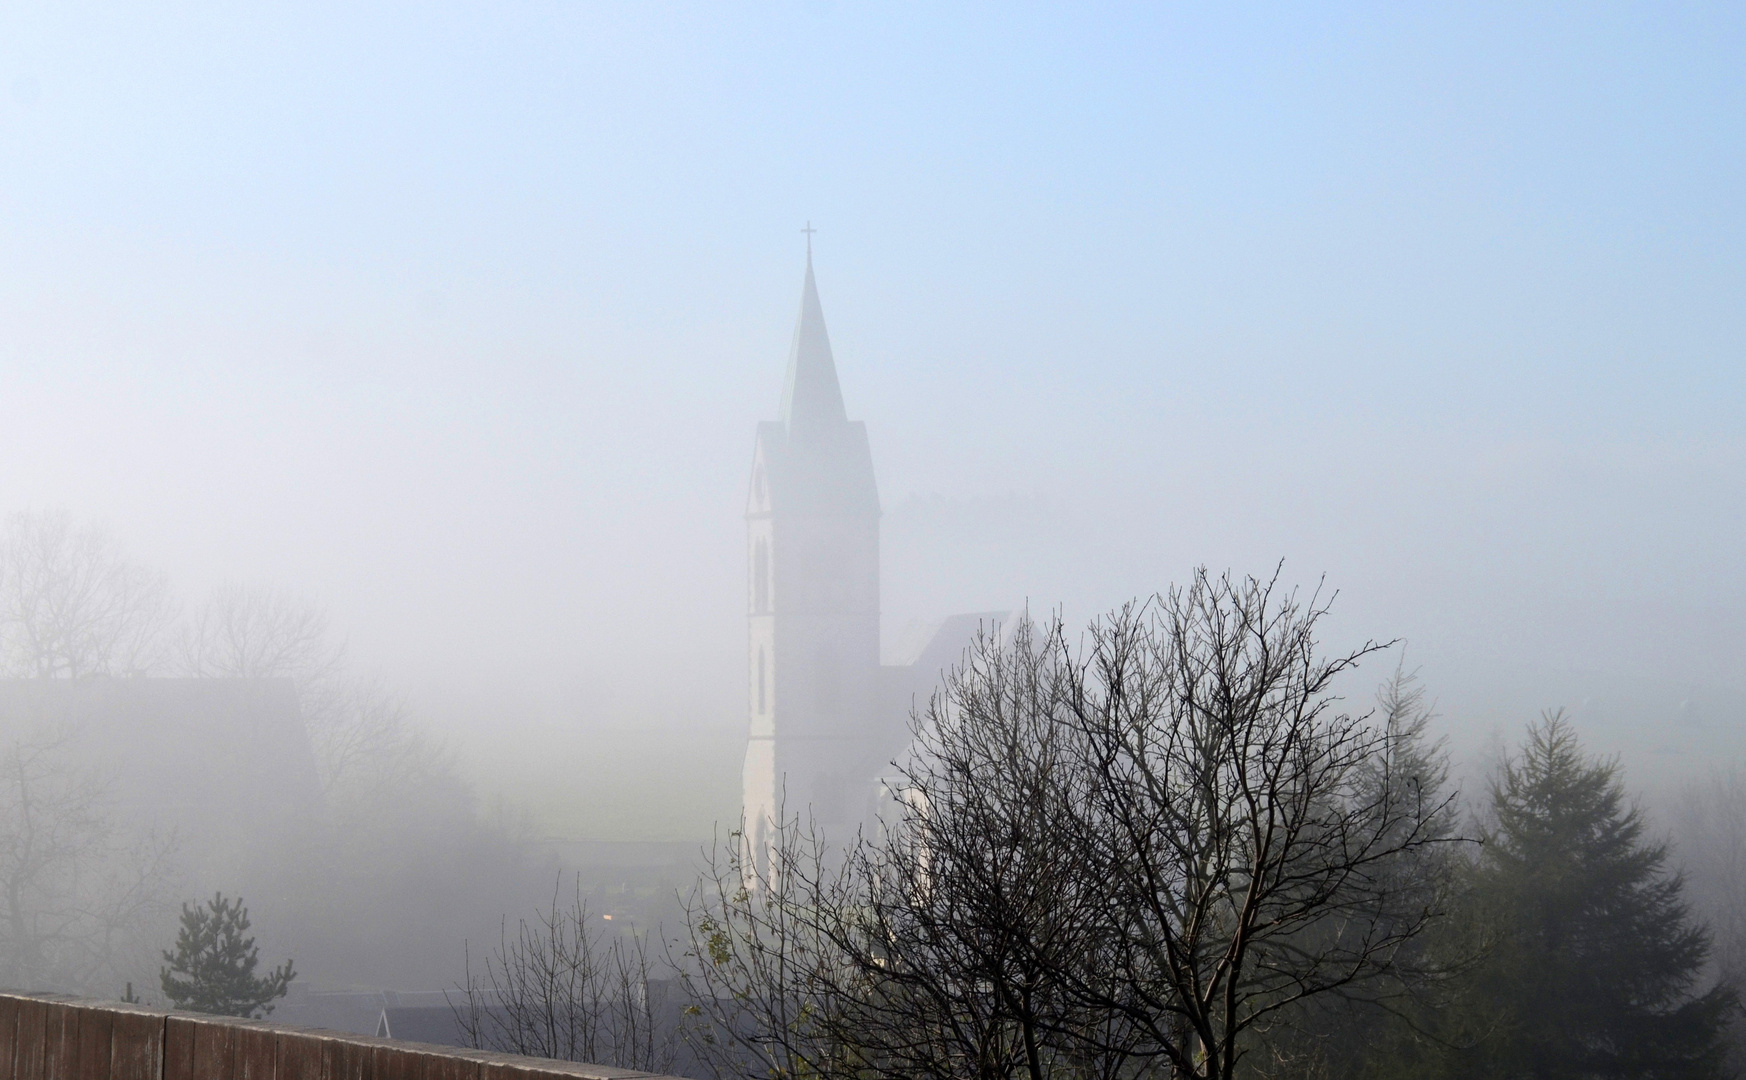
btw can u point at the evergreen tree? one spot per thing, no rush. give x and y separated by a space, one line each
213 967
1375 1031
1596 954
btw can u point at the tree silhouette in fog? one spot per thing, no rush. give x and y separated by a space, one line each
1131 854
1597 954
72 606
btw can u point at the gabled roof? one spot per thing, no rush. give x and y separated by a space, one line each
222 762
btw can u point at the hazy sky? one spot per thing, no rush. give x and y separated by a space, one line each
458 320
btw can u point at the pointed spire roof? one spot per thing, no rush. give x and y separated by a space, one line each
810 395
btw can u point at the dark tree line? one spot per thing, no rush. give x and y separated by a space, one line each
1139 853
1163 848
1593 960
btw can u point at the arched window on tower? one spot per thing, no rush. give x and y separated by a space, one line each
761 682
761 576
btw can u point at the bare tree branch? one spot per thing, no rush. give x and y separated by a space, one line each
71 606
1131 854
558 988
77 893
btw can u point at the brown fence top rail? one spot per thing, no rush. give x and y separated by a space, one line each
47 1037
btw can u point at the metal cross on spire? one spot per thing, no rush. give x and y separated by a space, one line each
809 230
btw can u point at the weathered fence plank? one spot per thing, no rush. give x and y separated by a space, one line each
61 1041
8 1037
136 1045
32 1036
302 1055
348 1059
257 1053
96 1044
214 1048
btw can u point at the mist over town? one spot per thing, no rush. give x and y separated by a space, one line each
822 540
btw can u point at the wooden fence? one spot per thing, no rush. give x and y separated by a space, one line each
44 1037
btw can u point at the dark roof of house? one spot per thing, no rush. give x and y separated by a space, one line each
213 759
438 1025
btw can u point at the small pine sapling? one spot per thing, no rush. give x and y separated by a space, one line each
213 967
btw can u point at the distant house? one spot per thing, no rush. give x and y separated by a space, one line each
222 762
428 1018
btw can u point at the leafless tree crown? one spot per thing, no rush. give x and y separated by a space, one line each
76 892
561 987
71 606
1135 851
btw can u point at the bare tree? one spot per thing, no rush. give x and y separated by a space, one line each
259 633
1249 835
79 896
976 934
71 606
1343 1033
1130 854
934 948
559 988
366 749
769 993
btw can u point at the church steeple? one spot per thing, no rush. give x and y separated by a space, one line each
812 531
811 396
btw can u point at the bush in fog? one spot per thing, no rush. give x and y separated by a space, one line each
212 969
563 987
1141 852
1710 821
768 992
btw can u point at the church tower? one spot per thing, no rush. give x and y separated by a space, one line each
812 525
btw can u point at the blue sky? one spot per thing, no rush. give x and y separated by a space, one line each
458 319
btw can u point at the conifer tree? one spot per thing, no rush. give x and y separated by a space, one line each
1597 956
1375 1030
213 967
